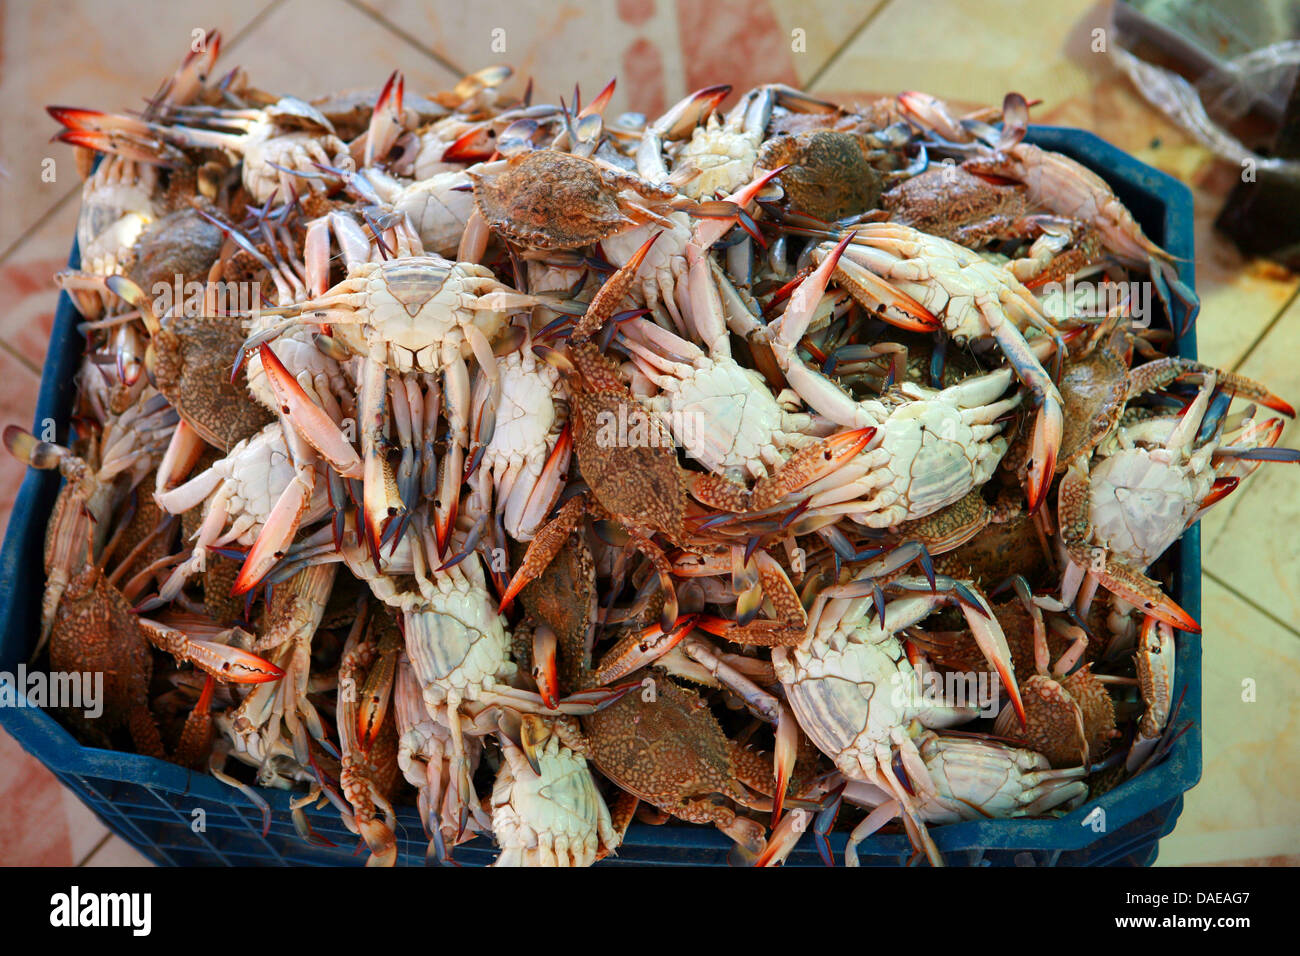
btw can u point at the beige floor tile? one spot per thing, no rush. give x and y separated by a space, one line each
1248 801
85 832
558 44
935 45
310 47
1249 539
117 852
28 295
826 24
35 828
107 54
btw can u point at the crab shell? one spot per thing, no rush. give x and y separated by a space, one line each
724 155
457 642
978 779
850 695
827 173
417 305
546 199
551 816
1141 499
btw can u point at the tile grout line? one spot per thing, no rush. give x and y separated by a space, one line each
96 848
41 220
848 42
404 35
53 210
252 24
1247 600
1272 323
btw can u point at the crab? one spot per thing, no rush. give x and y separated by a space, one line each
974 779
190 362
636 477
413 314
90 625
256 495
546 810
553 200
722 154
926 283
1121 509
522 462
1068 717
832 174
1054 182
835 679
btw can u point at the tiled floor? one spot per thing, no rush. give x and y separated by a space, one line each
1247 808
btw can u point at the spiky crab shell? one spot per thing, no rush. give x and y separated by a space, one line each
827 174
417 306
1093 392
1069 720
547 199
666 751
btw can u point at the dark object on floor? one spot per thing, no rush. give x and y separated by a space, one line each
1262 217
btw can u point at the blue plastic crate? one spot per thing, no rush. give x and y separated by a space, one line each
152 804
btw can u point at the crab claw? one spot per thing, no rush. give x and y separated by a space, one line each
526 513
308 418
225 663
546 544
809 464
639 649
783 760
545 671
993 644
1049 426
124 145
386 120
277 532
473 146
597 106
865 286
710 229
1145 594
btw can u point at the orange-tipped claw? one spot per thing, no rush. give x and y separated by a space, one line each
638 650
787 751
639 256
1221 488
308 418
1145 594
276 534
545 667
597 106
471 147
1049 426
231 664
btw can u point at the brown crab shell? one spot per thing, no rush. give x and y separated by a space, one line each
1093 393
1068 721
668 751
827 172
547 199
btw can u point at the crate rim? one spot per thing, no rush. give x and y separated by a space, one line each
42 736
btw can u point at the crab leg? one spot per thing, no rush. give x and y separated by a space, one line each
221 661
